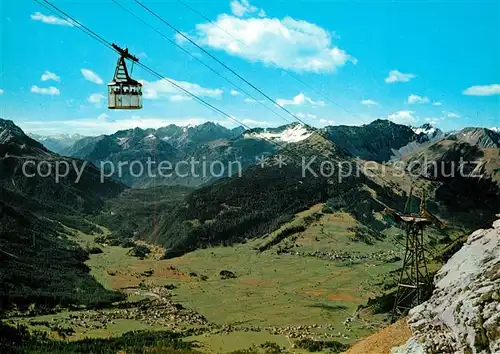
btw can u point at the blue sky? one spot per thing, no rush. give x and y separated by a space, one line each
409 61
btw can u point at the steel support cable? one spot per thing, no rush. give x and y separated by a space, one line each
292 75
180 33
108 44
199 60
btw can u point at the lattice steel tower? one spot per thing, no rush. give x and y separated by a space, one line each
413 281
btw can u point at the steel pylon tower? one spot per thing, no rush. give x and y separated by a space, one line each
413 280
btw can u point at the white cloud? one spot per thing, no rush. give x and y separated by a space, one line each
51 91
412 99
234 93
180 98
163 89
242 7
327 122
398 76
485 90
91 76
451 114
437 104
299 100
495 129
306 115
51 20
287 43
96 98
1 92
369 102
403 117
47 75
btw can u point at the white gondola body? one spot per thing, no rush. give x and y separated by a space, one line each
124 96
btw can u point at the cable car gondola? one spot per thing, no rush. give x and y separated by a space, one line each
124 92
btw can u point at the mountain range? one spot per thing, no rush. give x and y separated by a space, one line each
378 141
195 212
57 143
274 211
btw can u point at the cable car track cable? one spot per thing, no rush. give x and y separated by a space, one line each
226 66
108 44
200 61
292 75
219 61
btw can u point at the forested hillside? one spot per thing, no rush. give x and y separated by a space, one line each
237 209
40 264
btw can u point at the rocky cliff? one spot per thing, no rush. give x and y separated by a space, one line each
463 314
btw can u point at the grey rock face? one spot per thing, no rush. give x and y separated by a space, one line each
463 314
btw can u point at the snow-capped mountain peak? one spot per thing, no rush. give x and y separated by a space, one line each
42 138
428 132
288 134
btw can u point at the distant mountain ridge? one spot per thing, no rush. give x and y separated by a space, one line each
191 137
426 134
464 163
56 143
481 137
206 142
478 146
380 140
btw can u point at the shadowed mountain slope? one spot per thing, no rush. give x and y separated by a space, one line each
379 140
40 264
236 209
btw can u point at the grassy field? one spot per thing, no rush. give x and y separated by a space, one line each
240 340
272 291
269 289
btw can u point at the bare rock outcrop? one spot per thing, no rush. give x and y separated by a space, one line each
463 314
